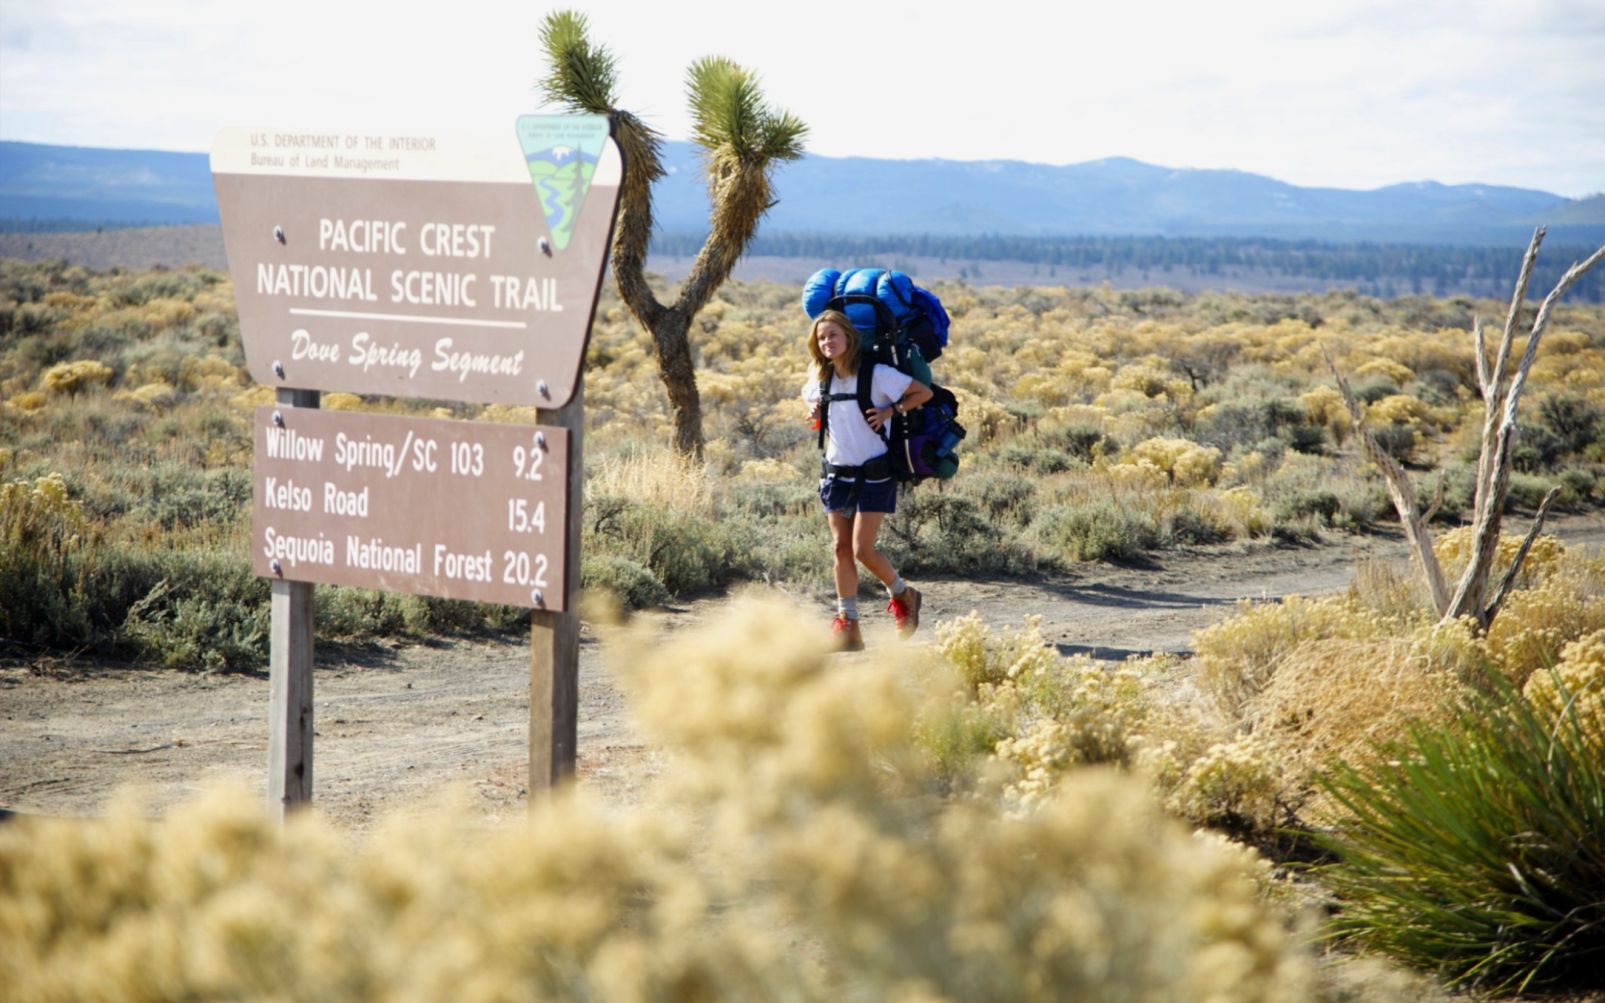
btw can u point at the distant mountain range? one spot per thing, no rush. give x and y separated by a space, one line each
63 187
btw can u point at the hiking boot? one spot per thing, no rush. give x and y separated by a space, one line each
905 609
846 633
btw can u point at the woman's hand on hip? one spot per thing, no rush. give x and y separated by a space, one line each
879 416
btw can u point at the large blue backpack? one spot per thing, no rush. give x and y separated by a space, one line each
903 326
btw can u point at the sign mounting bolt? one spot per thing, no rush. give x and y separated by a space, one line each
539 599
278 418
546 247
278 369
278 234
540 439
278 569
542 389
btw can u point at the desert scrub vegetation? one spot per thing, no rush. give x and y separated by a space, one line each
1449 780
1497 819
1279 692
1103 426
800 849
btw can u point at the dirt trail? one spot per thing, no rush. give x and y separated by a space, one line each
396 725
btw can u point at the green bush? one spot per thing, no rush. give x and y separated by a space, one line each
208 611
633 583
1097 530
1054 450
1573 420
343 612
1527 491
1307 504
1477 849
936 530
1186 526
42 545
1398 441
1362 505
687 551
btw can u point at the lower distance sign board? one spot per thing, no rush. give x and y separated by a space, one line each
456 509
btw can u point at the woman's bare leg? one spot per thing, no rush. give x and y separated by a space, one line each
842 534
865 529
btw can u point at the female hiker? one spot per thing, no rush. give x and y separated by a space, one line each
856 484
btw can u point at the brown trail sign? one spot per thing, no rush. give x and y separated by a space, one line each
440 267
426 266
458 509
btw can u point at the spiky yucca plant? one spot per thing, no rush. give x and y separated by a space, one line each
743 138
1477 849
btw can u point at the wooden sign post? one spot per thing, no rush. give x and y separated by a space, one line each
435 267
290 677
554 660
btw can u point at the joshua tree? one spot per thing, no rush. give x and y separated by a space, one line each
743 138
1501 391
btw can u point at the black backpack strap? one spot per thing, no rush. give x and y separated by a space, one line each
866 385
824 408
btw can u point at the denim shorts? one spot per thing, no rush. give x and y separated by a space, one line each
836 493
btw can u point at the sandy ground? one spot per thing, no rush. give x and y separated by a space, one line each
396 727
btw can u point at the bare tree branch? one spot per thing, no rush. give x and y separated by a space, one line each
1481 341
1399 489
1495 389
1509 581
1437 503
1497 448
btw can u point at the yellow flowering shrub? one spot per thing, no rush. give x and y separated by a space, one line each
1581 672
768 471
1048 389
29 401
1151 381
254 397
75 377
985 657
508 414
166 313
1139 475
1453 550
1238 657
1535 624
1399 409
1243 510
150 395
983 417
1240 781
1323 405
211 372
1074 416
1399 374
38 511
340 401
1185 463
1061 712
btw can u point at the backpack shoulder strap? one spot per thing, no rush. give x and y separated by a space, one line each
866 384
824 408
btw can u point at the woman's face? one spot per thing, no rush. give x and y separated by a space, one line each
832 340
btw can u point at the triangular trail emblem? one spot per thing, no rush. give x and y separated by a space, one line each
562 152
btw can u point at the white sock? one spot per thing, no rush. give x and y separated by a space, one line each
898 586
847 606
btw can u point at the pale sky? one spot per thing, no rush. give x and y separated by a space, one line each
1348 94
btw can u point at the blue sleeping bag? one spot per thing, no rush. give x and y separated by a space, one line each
919 316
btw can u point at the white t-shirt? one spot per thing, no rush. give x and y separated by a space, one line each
849 441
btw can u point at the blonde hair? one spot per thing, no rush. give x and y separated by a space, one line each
825 366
